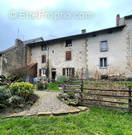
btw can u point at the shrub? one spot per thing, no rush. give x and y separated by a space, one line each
61 79
40 85
4 96
22 89
16 101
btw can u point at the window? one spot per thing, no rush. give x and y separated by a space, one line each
43 47
68 55
43 58
69 72
104 46
43 71
68 43
103 62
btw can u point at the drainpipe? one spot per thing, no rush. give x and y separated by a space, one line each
86 59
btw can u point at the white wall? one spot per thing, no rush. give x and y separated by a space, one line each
116 54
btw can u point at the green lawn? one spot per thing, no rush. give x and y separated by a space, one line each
94 122
53 87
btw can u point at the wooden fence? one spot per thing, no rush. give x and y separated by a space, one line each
120 99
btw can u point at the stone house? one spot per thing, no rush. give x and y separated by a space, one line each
94 54
15 57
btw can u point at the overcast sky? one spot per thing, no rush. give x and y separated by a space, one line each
27 19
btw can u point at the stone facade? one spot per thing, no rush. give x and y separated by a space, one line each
12 58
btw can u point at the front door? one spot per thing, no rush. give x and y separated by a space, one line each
53 75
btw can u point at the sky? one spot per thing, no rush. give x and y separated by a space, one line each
28 19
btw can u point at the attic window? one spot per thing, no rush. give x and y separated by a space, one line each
68 43
43 47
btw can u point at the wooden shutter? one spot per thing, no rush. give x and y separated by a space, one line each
63 71
43 58
39 72
73 72
68 55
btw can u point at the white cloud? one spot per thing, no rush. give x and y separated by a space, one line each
31 4
93 5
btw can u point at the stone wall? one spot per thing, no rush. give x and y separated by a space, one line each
56 53
14 57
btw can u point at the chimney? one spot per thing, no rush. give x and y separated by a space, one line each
83 31
117 20
18 43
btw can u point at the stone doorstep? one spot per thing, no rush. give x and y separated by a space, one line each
54 113
82 108
44 113
74 110
59 112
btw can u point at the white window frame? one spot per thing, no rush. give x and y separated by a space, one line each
43 72
104 46
103 62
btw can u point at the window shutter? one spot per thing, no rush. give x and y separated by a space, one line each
68 55
39 72
43 58
73 72
63 71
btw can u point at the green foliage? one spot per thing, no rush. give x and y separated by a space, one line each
16 100
94 122
22 89
53 86
40 85
10 79
61 79
4 96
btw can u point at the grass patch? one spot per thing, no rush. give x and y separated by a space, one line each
95 122
53 87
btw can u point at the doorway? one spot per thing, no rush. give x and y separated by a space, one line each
53 75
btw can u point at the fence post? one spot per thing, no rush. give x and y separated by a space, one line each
81 94
130 99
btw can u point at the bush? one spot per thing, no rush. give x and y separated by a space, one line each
22 89
61 79
40 86
16 101
4 97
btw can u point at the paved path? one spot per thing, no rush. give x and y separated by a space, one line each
48 102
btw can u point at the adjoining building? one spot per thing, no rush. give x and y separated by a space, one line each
103 52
